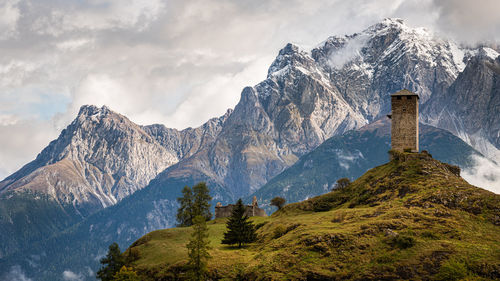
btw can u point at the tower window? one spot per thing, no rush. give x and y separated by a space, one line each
408 97
399 97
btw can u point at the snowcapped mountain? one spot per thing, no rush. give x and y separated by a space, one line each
386 57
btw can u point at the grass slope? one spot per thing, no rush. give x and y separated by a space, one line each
412 218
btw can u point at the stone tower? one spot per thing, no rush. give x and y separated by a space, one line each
404 125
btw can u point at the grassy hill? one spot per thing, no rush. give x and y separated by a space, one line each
412 218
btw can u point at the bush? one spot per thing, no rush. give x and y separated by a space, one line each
278 202
386 258
279 231
338 217
402 241
428 234
321 206
452 270
453 169
342 183
259 225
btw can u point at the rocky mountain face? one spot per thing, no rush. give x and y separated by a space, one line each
470 107
102 157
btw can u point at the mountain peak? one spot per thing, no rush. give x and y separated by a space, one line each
87 111
399 26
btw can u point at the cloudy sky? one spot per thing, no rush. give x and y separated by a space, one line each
176 62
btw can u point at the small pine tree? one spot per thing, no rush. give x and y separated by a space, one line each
126 274
198 247
278 202
185 211
239 229
112 263
201 201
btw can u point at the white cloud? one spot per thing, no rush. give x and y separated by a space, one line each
485 174
73 16
469 21
16 273
348 52
9 15
21 141
73 44
69 275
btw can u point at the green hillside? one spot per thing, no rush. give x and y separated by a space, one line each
412 218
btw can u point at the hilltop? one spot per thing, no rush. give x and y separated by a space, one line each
412 218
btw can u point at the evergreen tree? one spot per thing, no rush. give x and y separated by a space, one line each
112 263
185 211
239 229
278 202
202 198
194 202
198 247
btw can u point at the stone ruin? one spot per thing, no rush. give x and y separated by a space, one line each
251 210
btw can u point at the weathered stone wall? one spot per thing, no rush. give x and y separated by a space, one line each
404 128
251 211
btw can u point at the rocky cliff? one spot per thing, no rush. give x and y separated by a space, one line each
470 107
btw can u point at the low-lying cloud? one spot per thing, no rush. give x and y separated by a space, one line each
350 51
69 275
16 273
485 174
